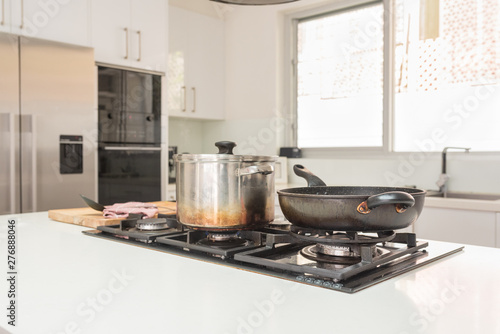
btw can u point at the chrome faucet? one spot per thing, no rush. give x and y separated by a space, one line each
442 182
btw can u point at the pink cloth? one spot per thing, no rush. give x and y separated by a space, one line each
121 210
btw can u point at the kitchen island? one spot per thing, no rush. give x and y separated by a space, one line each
68 282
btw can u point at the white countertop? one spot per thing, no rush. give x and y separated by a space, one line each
72 283
462 204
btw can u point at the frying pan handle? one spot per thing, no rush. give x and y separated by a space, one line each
225 147
312 180
403 200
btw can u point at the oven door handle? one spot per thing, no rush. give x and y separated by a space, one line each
131 148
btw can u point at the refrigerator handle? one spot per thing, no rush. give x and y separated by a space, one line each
34 173
28 146
8 134
3 13
12 163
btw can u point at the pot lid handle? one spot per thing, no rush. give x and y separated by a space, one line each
225 147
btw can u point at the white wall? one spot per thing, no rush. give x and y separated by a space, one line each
467 172
187 135
253 103
204 7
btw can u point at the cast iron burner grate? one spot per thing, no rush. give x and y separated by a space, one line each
396 255
221 244
145 230
341 247
339 237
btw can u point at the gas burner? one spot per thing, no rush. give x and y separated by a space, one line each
338 254
223 240
221 236
337 238
312 252
143 230
152 224
283 225
334 250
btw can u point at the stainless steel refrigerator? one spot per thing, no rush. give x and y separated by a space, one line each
48 124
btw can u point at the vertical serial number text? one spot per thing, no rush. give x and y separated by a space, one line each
11 272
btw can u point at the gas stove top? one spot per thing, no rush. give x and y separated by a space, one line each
343 261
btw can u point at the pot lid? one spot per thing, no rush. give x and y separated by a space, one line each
224 158
225 155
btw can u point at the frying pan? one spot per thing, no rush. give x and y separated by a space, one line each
354 208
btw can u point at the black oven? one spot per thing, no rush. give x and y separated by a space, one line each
129 111
129 107
129 174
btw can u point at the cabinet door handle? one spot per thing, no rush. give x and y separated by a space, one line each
22 14
183 92
3 12
126 43
140 44
194 99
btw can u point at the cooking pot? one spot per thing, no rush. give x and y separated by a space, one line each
355 209
224 192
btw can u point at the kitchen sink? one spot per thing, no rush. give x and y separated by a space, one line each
460 195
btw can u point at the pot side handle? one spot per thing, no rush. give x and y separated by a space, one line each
312 180
403 199
264 170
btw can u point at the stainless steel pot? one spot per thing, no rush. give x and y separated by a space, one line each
224 192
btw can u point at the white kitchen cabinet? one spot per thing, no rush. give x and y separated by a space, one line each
62 21
130 33
149 22
459 226
195 65
6 16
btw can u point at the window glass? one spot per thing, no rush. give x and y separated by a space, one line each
446 74
340 79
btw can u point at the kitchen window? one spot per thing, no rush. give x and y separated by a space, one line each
397 75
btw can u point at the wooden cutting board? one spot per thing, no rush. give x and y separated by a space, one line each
91 218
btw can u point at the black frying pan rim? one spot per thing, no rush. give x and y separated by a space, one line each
303 191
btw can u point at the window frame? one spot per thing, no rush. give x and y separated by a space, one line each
290 83
292 21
